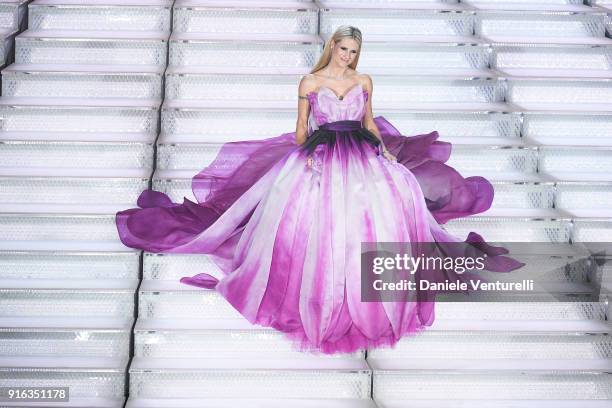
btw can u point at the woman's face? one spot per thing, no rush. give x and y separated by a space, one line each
345 51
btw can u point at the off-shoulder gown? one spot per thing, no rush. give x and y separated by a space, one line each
287 236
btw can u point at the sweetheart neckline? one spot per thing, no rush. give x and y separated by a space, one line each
341 97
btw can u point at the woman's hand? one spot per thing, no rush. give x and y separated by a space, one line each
309 162
387 155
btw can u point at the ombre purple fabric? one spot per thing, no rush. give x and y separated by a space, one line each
287 236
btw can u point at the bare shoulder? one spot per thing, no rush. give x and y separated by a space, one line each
308 83
365 80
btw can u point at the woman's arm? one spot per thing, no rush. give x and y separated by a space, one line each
368 118
301 127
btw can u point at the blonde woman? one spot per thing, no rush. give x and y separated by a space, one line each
285 223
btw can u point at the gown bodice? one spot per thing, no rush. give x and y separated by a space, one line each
326 106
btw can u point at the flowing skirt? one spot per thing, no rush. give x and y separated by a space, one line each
287 236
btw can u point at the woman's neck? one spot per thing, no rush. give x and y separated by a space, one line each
336 72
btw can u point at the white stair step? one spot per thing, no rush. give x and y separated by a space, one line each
136 137
568 128
579 107
50 188
174 300
561 364
424 56
176 184
582 177
459 125
494 350
35 265
512 229
30 81
553 24
91 47
63 245
58 227
487 159
524 195
93 157
249 378
534 313
85 115
55 362
70 284
547 40
81 403
13 14
558 73
53 298
531 213
143 15
183 122
484 385
592 230
522 5
576 159
27 153
186 156
56 339
551 59
558 325
252 403
580 213
214 16
486 403
168 267
68 322
241 69
195 85
106 384
178 340
443 5
583 195
255 51
277 88
532 92
387 22
381 70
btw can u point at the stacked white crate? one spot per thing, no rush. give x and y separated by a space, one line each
540 131
80 113
191 347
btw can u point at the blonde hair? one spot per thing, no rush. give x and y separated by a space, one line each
341 32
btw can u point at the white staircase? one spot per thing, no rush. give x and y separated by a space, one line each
521 88
80 114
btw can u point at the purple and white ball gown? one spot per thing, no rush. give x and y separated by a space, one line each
287 236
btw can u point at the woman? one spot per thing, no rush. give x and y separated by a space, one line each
286 218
